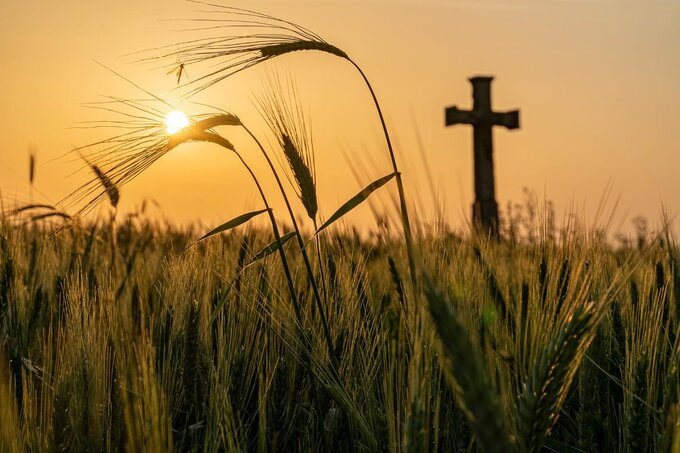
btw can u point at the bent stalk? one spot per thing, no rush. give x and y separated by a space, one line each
218 140
305 256
406 223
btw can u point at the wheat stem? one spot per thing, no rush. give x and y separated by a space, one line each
305 257
322 274
221 141
406 223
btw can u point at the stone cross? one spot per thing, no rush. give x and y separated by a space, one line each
482 119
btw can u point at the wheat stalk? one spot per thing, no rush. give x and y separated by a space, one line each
281 110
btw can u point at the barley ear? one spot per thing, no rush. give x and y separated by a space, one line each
31 166
219 119
281 110
303 175
286 47
111 189
545 389
467 376
199 132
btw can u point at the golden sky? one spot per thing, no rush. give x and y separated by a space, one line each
597 84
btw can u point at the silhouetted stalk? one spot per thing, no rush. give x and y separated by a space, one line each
322 274
218 140
406 223
305 257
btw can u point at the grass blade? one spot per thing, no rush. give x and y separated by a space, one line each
47 215
271 248
233 223
356 200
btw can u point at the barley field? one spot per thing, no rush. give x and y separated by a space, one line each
127 344
127 333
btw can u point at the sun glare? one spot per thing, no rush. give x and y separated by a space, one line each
175 121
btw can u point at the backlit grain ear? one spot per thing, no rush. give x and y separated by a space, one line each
252 38
280 107
296 46
109 186
303 175
31 166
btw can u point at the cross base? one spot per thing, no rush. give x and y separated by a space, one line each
485 216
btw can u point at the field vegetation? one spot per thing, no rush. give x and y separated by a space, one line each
129 334
129 344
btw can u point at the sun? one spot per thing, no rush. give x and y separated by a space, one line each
175 121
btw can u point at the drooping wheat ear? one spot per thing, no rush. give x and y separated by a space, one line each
281 110
254 38
200 132
139 139
212 120
464 367
545 389
275 50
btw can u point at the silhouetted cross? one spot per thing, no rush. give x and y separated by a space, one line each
482 118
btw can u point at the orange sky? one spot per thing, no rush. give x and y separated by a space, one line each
597 83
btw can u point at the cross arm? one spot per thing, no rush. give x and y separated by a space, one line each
452 115
507 119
